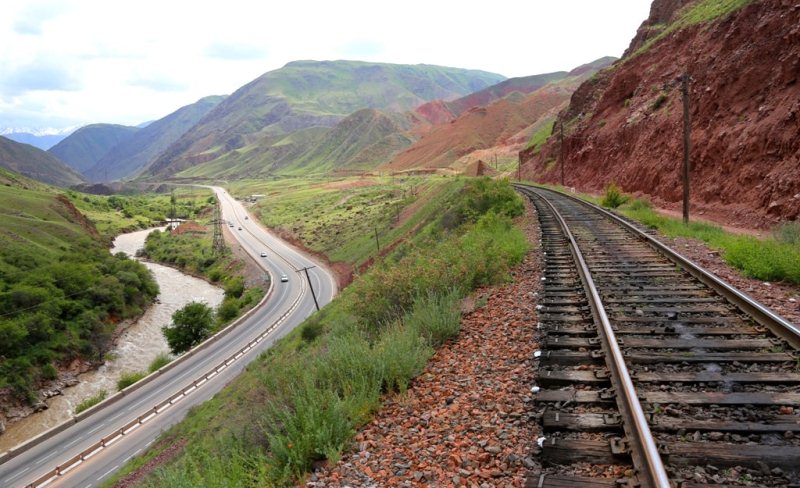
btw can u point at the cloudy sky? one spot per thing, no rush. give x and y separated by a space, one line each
72 62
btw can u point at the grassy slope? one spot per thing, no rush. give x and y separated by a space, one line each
61 292
305 94
695 13
84 147
37 164
338 218
305 396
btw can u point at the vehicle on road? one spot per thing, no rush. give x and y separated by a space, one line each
284 278
240 228
263 254
246 217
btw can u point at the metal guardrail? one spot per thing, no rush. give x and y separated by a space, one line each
646 450
134 424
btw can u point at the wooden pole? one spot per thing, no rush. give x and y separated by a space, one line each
561 149
686 147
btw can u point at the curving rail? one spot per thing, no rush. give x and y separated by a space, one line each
696 378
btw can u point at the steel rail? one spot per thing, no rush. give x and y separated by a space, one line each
646 450
761 314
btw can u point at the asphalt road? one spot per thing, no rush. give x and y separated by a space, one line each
290 300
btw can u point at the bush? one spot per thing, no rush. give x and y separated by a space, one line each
613 197
190 326
788 233
161 360
660 101
234 287
228 310
127 379
311 330
91 401
436 317
315 428
402 352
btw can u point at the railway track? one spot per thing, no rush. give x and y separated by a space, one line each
651 372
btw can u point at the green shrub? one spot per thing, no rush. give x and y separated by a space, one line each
613 197
402 352
190 326
788 233
127 379
311 330
161 360
436 316
315 428
234 287
49 372
228 310
91 401
660 101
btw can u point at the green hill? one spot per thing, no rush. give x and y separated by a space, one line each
84 147
37 164
306 94
61 291
361 141
131 156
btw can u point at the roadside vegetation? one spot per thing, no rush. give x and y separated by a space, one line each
117 214
775 258
91 401
61 292
301 402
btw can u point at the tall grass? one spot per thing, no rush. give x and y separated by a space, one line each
91 401
770 259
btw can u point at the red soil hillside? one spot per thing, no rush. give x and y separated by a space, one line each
478 128
625 124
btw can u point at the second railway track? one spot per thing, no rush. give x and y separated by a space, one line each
715 378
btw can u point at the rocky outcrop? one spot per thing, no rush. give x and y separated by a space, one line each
625 124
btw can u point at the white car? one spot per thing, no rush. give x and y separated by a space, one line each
284 278
263 254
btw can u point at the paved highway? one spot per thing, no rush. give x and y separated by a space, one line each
288 304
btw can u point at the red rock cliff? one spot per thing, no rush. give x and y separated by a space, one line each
625 124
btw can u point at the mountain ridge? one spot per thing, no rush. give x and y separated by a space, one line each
305 94
83 148
36 164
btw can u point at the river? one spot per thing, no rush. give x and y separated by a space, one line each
138 345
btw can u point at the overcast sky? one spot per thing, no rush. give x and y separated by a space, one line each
73 62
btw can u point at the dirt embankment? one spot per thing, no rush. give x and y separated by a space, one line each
625 124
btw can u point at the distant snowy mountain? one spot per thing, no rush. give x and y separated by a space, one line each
43 138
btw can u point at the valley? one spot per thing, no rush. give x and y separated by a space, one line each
422 275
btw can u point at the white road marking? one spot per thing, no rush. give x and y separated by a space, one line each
108 472
97 428
17 475
46 457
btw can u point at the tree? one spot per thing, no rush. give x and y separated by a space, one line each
190 325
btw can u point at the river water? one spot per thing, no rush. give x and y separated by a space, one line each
135 349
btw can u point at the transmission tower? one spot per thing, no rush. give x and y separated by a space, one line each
217 243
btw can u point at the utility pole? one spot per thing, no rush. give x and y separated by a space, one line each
314 295
686 146
377 242
217 243
519 167
561 148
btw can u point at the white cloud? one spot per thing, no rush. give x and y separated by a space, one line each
124 62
